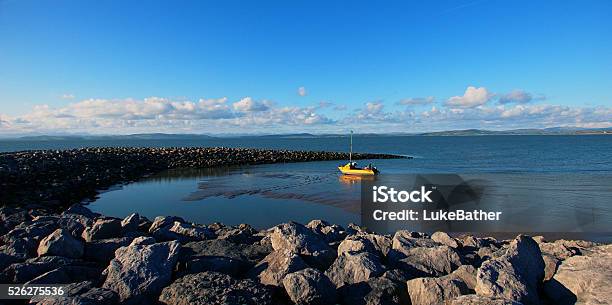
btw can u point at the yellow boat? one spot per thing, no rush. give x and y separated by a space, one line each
351 167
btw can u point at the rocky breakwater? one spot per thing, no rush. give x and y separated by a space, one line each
59 178
167 260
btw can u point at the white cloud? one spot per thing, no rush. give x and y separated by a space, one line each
517 97
413 101
247 104
68 96
302 91
472 97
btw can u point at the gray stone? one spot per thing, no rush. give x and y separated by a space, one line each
309 287
31 268
141 269
130 223
430 291
354 268
103 250
61 243
375 291
377 244
517 275
584 279
102 229
330 233
68 274
273 268
426 261
243 234
191 232
301 240
81 293
213 288
445 239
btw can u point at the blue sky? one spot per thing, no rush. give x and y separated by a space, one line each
220 66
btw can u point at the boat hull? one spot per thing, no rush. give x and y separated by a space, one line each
357 172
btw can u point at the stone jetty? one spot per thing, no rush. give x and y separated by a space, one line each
61 178
167 260
48 237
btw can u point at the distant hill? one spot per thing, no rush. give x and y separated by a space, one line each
464 132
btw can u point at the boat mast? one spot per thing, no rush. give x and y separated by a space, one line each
351 151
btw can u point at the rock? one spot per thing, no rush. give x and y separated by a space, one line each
425 291
250 254
273 268
330 233
550 266
473 299
516 275
11 217
230 266
82 293
398 275
141 269
214 288
130 223
375 291
61 243
19 248
102 229
466 274
445 239
191 232
424 261
365 243
103 250
6 260
309 287
354 268
301 240
68 274
164 221
584 279
79 209
243 234
31 268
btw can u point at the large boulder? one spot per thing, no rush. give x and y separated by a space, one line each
243 234
31 268
187 231
404 240
426 291
61 243
142 269
445 239
130 223
516 275
103 250
373 243
81 293
215 288
329 232
103 228
273 268
69 274
584 279
426 261
299 239
309 287
350 268
250 254
375 291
